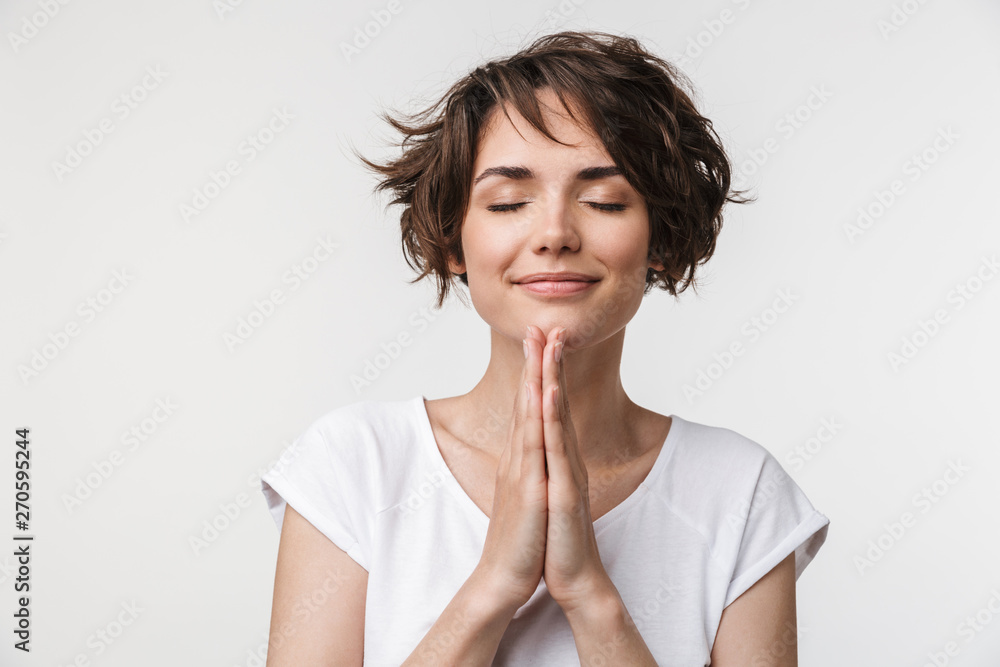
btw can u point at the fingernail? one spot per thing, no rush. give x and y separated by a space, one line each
524 343
558 351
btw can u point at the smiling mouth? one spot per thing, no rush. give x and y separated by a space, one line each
558 287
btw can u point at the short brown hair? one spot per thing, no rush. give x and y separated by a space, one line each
630 98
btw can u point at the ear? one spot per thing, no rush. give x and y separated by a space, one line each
656 265
455 267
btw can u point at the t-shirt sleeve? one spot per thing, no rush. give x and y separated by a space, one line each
776 520
321 480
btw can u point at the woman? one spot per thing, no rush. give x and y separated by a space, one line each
543 517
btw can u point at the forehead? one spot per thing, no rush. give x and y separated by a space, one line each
514 135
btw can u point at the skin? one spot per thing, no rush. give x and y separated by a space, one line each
559 225
557 229
538 477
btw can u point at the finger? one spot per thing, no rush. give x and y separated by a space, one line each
571 443
519 408
522 406
565 414
533 454
542 341
561 377
550 377
554 433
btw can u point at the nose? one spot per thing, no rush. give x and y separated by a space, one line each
554 228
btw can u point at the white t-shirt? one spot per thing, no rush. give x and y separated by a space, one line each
715 513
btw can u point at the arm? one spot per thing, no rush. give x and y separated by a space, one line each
469 629
318 612
758 628
603 630
605 633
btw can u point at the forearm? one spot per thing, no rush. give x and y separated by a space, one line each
605 633
468 631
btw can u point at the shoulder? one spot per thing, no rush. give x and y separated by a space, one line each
343 468
365 418
377 449
363 426
714 475
741 499
717 455
356 439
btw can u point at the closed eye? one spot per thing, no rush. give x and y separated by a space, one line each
607 208
504 208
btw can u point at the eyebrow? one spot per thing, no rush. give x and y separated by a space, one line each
523 173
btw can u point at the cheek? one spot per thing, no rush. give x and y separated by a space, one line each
623 247
488 252
625 254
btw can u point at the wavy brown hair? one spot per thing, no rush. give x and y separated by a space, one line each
635 102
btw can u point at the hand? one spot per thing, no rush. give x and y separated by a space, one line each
514 550
573 569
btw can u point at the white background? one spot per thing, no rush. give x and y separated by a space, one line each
890 92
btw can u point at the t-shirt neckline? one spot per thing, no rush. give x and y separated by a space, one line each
666 451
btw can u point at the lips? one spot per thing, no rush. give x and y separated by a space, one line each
556 277
557 284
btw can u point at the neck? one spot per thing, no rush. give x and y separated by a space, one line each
604 417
